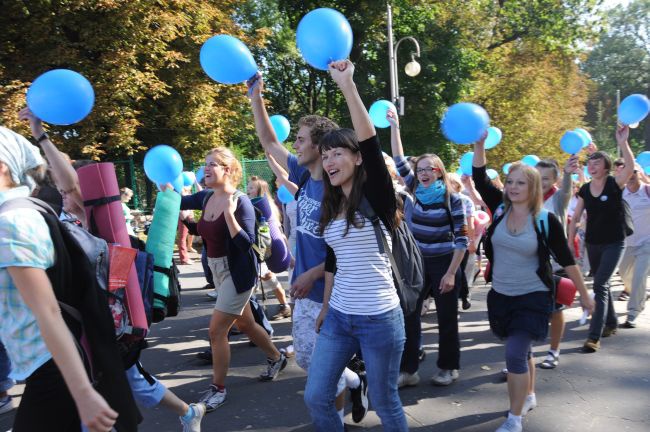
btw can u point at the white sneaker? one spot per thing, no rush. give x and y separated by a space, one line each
444 377
213 398
213 294
407 380
529 404
194 423
510 425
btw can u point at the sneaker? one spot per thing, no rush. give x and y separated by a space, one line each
629 324
550 362
504 372
6 404
356 365
425 306
273 368
194 423
510 425
284 312
213 294
623 296
209 286
466 304
529 404
444 377
359 398
205 356
213 398
591 346
288 351
609 331
408 380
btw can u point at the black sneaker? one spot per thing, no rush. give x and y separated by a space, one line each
356 365
466 304
359 398
274 368
205 356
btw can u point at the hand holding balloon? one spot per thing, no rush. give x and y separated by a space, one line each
392 118
622 134
35 123
255 86
572 165
342 72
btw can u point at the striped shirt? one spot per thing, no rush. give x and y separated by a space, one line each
432 224
363 283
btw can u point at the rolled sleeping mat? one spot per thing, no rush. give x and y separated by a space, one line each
101 195
280 256
481 220
160 243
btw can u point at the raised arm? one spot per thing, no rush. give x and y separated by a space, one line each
281 174
342 73
395 137
622 134
265 132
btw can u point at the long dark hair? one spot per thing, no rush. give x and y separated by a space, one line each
334 200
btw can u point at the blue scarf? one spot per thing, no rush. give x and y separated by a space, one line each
435 193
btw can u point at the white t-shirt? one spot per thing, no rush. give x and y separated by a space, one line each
639 202
363 283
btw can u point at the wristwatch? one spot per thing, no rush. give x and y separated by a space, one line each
44 136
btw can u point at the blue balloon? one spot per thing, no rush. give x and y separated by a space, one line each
586 136
284 195
643 159
465 123
530 160
647 170
506 168
178 183
633 109
281 127
324 35
492 173
459 172
586 172
163 164
378 112
572 142
227 60
575 177
61 97
200 173
493 138
466 163
188 178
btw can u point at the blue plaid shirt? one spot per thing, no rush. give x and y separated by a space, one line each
24 242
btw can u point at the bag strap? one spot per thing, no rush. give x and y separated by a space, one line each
366 209
27 203
101 201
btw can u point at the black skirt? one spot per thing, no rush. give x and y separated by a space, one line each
528 312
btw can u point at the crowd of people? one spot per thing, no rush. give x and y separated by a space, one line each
350 332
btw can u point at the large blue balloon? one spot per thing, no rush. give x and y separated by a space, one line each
530 160
572 142
586 136
281 127
378 112
633 109
493 138
61 97
492 173
324 35
465 123
178 183
506 168
163 165
466 163
643 159
188 178
284 195
227 60
200 173
586 173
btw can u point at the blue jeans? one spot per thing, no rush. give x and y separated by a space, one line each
5 367
603 259
381 340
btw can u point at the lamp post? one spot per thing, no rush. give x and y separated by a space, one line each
412 68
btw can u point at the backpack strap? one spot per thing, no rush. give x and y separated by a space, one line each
366 209
27 203
206 198
542 222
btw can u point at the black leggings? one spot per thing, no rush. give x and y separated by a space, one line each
519 349
47 404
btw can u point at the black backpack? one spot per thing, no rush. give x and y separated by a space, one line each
405 259
79 280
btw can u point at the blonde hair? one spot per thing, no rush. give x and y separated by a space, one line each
263 190
534 179
227 158
437 163
454 180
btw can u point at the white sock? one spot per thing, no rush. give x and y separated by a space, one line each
352 380
556 353
342 414
514 417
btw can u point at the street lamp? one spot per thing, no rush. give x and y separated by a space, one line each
412 68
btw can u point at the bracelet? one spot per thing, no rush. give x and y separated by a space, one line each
42 138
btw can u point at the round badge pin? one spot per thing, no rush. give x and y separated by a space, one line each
603 198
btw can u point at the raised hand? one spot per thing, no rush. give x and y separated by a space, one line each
622 134
342 72
572 164
35 123
255 86
392 118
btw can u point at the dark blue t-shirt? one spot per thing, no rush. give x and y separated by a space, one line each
310 245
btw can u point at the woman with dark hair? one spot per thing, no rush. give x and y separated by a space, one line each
361 309
602 198
437 220
521 299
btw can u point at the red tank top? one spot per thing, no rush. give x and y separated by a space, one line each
215 234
